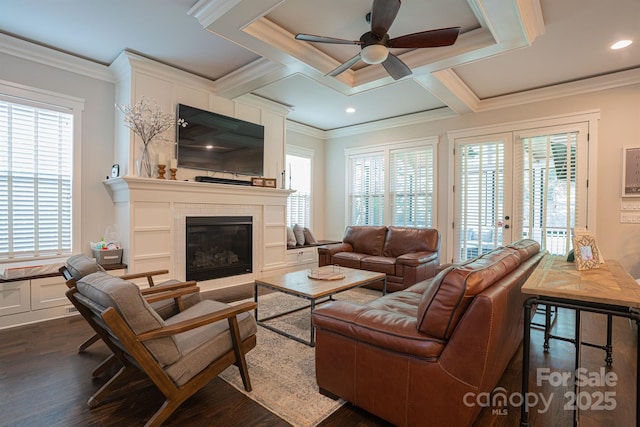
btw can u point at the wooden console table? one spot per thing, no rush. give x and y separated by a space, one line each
607 290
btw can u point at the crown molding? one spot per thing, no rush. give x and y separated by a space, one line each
594 84
129 61
305 130
53 58
263 103
209 11
380 125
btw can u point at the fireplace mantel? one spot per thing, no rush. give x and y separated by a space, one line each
151 216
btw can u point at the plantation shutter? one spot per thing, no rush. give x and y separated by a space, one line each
299 203
552 199
35 181
480 202
411 182
366 189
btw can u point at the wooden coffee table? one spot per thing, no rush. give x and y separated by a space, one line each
299 284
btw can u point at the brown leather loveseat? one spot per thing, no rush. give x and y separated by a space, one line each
406 255
421 357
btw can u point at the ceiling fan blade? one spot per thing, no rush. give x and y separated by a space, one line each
395 67
383 14
431 38
345 66
322 39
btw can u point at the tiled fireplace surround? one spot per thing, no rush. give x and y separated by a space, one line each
152 213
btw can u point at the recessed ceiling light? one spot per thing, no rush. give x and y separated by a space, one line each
621 44
350 110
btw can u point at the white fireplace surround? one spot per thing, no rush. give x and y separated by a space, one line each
151 214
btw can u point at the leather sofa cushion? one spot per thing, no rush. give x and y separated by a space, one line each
525 248
451 291
404 240
389 323
348 259
366 239
379 264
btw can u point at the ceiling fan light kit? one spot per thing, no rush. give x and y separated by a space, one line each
374 54
375 44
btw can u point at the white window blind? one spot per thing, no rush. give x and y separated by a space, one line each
411 178
480 197
35 181
366 189
550 197
299 179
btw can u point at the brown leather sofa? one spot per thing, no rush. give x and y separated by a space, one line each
420 357
406 255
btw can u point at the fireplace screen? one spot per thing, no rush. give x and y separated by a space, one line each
218 246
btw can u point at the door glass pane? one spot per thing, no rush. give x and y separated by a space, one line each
549 196
480 197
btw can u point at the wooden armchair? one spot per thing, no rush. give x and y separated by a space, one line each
80 265
179 355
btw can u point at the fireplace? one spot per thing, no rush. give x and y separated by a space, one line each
218 246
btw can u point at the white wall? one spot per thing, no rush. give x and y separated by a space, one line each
96 138
619 127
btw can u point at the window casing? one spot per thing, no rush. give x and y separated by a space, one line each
37 181
392 184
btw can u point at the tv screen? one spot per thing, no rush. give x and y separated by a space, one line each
219 143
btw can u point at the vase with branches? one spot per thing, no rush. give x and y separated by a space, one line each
147 120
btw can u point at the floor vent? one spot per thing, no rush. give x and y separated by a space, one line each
71 310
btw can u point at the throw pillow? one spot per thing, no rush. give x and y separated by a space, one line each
309 238
298 231
291 238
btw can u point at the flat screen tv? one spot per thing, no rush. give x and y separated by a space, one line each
218 143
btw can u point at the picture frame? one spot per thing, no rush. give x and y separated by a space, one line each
585 252
257 182
270 182
631 172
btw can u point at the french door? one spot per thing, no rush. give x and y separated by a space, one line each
529 183
483 202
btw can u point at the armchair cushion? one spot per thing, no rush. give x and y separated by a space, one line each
80 265
199 347
125 297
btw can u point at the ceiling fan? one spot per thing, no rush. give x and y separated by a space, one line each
375 44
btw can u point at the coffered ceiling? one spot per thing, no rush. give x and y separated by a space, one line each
508 52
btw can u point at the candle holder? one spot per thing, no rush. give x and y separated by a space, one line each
173 173
161 171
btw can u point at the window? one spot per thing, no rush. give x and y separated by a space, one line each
392 185
36 177
299 161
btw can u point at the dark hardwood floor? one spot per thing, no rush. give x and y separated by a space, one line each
45 382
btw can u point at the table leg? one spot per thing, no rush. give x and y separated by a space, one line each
547 327
636 316
312 339
608 359
255 298
577 365
526 341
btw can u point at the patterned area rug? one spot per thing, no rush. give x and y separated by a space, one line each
282 370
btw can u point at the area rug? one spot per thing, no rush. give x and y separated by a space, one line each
282 370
